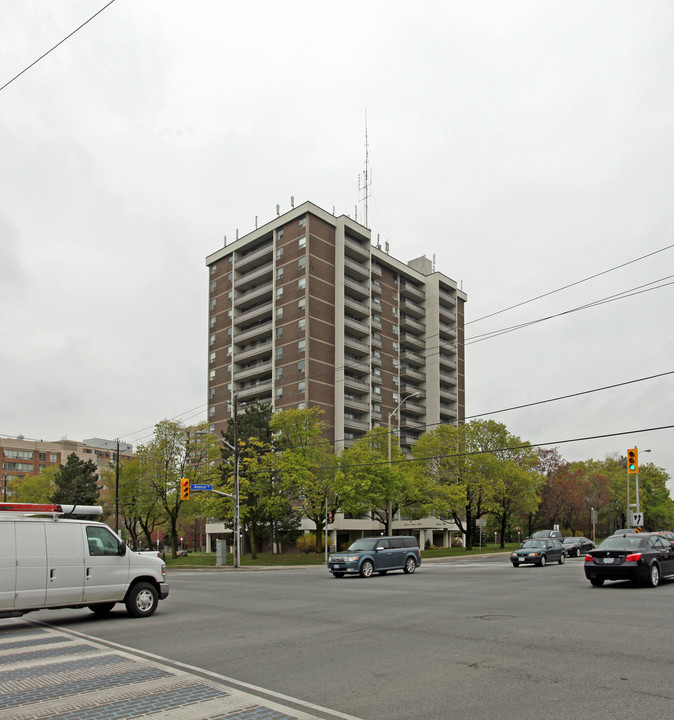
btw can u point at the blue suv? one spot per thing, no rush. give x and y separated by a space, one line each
377 554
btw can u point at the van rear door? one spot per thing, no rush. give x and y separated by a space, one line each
7 565
31 564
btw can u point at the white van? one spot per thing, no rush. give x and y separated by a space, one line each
47 561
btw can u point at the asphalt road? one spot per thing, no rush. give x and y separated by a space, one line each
458 639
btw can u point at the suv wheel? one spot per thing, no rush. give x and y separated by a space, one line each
410 565
366 569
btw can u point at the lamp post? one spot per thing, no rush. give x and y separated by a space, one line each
389 504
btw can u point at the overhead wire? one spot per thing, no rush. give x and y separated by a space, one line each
44 55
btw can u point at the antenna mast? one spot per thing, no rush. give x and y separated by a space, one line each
366 179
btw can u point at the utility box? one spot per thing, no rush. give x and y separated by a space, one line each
220 552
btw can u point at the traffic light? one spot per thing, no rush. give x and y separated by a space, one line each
633 461
331 518
184 489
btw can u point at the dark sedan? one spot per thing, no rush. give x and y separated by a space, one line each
640 557
539 552
576 546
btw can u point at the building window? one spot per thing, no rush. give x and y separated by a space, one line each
213 304
301 387
301 283
300 367
301 345
279 332
302 323
279 353
43 457
279 273
395 397
303 222
394 329
376 390
376 372
302 242
279 373
395 347
394 309
211 393
211 410
212 341
213 286
279 393
279 253
230 276
230 295
211 375
213 320
213 268
395 381
279 313
301 304
229 332
279 293
53 457
302 262
212 357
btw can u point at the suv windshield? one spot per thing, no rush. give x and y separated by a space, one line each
363 544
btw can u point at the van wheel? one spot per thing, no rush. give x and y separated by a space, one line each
142 600
410 566
101 609
366 568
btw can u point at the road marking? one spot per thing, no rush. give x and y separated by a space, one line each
61 674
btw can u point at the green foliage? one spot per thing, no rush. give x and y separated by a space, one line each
309 542
76 482
33 488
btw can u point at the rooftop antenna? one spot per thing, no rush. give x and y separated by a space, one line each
366 179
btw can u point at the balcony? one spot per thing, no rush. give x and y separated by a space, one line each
357 249
356 344
412 341
356 326
261 330
358 290
256 277
408 290
407 372
258 312
251 353
254 296
357 383
409 323
356 403
265 253
255 392
409 356
412 308
358 307
359 423
357 270
447 316
261 368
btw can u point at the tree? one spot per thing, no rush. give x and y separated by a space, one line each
368 484
175 452
33 488
76 482
305 462
138 502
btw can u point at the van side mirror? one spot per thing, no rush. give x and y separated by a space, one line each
121 548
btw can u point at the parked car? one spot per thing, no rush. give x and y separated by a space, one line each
576 546
640 557
622 531
538 551
667 534
377 554
548 534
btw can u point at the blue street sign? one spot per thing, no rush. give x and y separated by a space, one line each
197 486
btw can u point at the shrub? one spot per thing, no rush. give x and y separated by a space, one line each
307 543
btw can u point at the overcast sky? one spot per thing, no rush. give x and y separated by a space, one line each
525 145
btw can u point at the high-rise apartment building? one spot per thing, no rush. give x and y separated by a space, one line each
305 311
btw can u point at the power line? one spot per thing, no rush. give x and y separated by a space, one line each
55 46
566 287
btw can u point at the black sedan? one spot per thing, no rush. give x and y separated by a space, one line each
576 546
539 552
640 557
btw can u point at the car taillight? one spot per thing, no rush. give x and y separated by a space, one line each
589 558
634 557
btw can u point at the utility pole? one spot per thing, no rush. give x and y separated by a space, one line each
117 489
237 542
